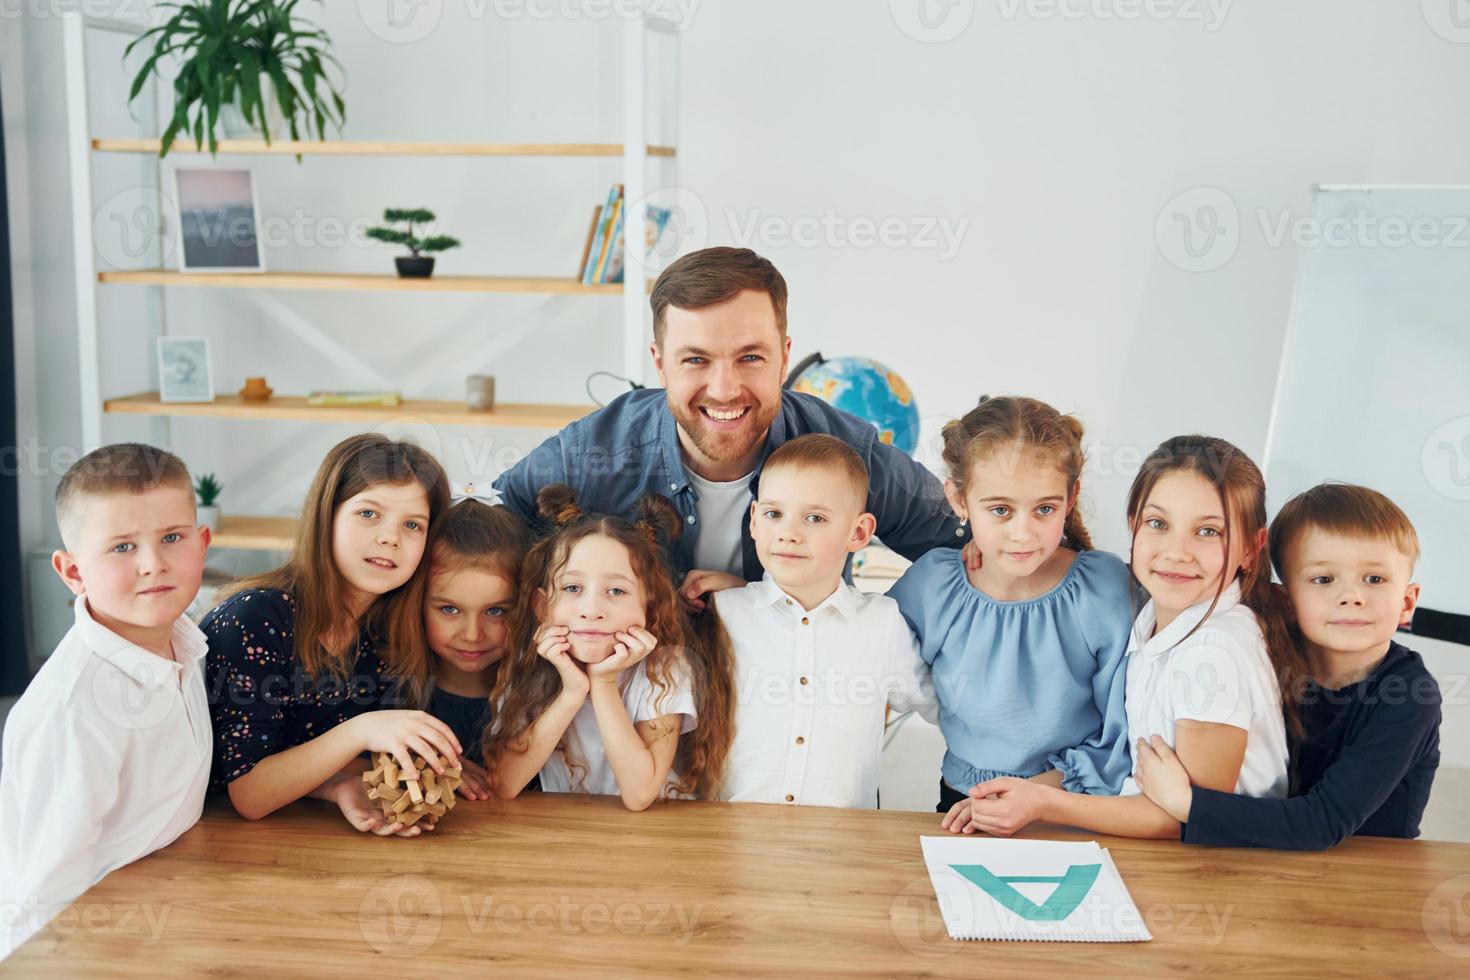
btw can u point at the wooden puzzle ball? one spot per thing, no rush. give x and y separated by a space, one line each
406 796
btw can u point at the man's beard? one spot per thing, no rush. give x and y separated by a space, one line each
725 447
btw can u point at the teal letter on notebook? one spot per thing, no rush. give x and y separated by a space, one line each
1072 888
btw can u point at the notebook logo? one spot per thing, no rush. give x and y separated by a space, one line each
1071 889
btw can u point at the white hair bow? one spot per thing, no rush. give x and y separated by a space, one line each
487 495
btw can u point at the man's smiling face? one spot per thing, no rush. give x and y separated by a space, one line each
722 367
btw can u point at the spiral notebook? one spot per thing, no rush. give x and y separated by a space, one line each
1055 891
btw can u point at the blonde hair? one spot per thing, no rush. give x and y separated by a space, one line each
830 454
124 467
1045 435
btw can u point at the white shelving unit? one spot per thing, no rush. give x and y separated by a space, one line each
638 37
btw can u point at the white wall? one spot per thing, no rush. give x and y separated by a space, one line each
1059 140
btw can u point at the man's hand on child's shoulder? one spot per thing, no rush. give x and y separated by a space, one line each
698 584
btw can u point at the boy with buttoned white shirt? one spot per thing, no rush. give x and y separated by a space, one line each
817 663
106 757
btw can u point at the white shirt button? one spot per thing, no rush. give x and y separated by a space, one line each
690 518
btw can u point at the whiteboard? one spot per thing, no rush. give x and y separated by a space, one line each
1374 386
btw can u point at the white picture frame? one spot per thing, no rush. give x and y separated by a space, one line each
183 370
218 220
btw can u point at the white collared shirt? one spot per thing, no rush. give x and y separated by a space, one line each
1221 674
812 692
106 758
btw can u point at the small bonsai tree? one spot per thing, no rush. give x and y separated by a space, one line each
208 489
416 245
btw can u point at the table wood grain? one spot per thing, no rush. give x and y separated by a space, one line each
577 886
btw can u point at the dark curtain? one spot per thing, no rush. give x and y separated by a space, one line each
13 668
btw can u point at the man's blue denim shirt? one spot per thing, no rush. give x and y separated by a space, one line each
618 453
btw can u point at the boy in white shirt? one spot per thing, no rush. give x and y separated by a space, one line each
106 756
817 662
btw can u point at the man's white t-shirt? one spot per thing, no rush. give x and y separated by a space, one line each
721 509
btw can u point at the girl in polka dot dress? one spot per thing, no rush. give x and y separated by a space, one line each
302 659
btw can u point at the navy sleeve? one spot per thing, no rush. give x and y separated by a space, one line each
908 501
1351 790
247 667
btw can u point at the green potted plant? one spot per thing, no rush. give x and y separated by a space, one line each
251 57
417 264
208 490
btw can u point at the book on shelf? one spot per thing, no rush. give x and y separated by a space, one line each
614 226
591 234
597 253
338 398
603 256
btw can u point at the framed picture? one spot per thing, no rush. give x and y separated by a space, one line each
217 221
183 370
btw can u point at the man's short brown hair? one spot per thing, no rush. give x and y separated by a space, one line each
1345 509
714 275
827 453
125 467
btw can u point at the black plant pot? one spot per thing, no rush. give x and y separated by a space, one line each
414 266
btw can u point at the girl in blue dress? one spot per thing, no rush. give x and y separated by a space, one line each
1026 649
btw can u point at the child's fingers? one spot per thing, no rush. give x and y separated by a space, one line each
1161 747
387 830
988 788
363 822
962 807
429 747
448 749
444 731
402 754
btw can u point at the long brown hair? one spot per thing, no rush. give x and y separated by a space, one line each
311 575
471 534
527 683
1043 435
1242 492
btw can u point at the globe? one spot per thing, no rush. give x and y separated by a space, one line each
867 389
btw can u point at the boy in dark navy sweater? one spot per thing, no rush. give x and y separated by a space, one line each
1370 714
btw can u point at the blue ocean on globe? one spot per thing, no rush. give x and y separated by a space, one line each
867 389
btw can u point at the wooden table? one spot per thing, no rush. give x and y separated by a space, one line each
567 886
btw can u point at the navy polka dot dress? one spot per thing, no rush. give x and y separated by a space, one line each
261 700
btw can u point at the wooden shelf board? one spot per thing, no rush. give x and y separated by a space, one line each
507 416
379 148
255 533
354 281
